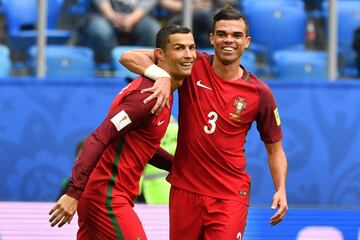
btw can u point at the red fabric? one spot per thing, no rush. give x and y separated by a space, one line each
162 159
210 156
96 221
112 161
216 218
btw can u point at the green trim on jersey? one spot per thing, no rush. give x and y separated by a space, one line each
109 197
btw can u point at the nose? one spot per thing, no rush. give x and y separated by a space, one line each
188 53
229 38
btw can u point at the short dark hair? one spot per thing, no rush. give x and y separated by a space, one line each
162 37
230 13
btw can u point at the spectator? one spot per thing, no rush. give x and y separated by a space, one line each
113 22
356 47
203 11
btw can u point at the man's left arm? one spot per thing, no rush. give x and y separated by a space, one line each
278 167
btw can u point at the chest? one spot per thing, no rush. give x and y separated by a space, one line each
236 101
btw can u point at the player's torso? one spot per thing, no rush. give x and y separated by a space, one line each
220 111
121 165
215 116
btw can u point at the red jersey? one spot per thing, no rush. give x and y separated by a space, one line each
114 155
215 116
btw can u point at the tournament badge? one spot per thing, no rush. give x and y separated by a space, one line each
239 104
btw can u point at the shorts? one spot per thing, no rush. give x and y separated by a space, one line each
195 216
100 221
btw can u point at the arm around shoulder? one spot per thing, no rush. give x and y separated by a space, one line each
137 60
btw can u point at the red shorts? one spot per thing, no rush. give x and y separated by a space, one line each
194 216
99 221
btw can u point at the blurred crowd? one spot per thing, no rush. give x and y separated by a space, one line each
102 25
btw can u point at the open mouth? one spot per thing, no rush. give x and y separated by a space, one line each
228 49
186 64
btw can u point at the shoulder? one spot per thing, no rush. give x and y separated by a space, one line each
141 83
259 84
131 94
202 55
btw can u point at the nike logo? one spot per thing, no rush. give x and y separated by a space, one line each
160 122
202 85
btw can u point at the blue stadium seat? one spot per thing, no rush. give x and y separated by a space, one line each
275 25
248 59
5 63
119 69
65 61
348 20
22 16
78 7
300 65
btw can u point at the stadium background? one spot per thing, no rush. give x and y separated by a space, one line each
42 120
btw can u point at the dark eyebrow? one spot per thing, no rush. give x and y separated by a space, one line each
182 45
222 31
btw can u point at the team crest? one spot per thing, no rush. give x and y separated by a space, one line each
239 104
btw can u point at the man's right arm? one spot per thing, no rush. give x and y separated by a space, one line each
162 159
143 62
137 61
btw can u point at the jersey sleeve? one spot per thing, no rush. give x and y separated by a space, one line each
162 159
130 114
268 120
200 55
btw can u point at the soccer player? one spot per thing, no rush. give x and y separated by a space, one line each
105 178
210 191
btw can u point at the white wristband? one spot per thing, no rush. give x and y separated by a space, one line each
154 72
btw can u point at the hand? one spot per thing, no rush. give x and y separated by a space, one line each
117 20
128 22
280 202
161 91
63 211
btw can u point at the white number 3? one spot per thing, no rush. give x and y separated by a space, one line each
213 116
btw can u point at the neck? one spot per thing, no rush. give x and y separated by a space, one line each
228 72
176 82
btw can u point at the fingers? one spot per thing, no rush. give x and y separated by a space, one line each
159 105
161 99
70 218
56 218
53 209
152 96
59 216
63 221
279 215
150 89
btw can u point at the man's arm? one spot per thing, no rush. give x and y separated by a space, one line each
122 119
143 62
137 60
162 159
278 167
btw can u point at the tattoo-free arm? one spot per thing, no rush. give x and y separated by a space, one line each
138 61
278 167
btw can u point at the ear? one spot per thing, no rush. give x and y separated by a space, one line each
160 54
247 41
212 39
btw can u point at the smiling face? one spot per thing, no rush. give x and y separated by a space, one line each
230 39
179 55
